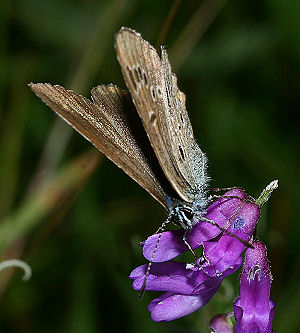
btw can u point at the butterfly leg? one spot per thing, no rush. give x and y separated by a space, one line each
243 202
218 189
164 224
160 230
188 244
204 219
216 196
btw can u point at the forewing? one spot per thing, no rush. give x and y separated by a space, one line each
109 123
161 106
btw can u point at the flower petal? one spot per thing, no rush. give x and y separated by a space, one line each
171 306
222 253
173 277
170 246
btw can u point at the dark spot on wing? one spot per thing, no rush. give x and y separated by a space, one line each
145 78
181 117
181 152
132 78
140 72
136 74
153 93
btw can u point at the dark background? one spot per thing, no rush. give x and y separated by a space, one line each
75 217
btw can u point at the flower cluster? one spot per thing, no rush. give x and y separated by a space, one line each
188 287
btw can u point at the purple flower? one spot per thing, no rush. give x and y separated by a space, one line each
171 244
222 323
220 251
253 309
186 289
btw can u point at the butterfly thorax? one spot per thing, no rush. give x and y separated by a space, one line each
200 201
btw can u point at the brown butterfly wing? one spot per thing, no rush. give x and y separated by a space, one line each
109 123
161 106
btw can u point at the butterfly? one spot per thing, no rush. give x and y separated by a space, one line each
145 131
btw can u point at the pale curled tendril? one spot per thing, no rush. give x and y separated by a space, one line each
17 263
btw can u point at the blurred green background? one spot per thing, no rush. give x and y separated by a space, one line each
75 217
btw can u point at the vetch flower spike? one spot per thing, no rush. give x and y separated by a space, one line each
188 287
253 309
